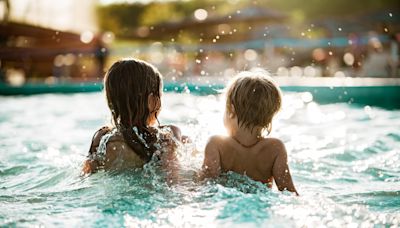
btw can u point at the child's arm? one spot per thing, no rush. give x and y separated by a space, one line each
169 160
280 169
170 164
178 135
212 161
90 165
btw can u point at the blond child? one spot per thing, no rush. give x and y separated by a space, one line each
252 101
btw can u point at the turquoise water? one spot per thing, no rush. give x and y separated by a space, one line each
345 162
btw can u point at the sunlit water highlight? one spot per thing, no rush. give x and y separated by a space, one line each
345 162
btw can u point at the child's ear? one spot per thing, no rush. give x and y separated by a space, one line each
232 112
151 102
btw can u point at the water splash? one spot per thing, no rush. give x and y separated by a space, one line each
349 174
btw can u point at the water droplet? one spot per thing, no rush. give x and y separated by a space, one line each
390 15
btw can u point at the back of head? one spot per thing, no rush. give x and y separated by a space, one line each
128 84
255 99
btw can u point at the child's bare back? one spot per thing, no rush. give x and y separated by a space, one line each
252 101
110 151
261 162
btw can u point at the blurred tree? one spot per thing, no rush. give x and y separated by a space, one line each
158 12
123 18
324 8
120 18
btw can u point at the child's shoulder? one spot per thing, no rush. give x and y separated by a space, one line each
217 139
269 141
273 145
110 133
102 131
98 135
173 129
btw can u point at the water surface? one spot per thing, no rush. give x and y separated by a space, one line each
345 161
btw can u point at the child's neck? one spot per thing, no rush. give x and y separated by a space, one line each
246 137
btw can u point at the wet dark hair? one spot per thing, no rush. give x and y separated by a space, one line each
128 84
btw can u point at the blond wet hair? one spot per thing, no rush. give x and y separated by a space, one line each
255 98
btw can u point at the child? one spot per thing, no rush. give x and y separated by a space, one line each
133 90
252 101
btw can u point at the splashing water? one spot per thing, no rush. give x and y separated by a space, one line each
344 161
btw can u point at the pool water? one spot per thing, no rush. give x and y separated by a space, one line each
345 162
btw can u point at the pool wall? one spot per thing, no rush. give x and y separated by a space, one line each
374 94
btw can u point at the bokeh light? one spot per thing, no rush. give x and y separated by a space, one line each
200 14
87 37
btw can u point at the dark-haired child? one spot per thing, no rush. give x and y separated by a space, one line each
133 90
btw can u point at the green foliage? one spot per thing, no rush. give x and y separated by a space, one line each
121 18
156 13
324 8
